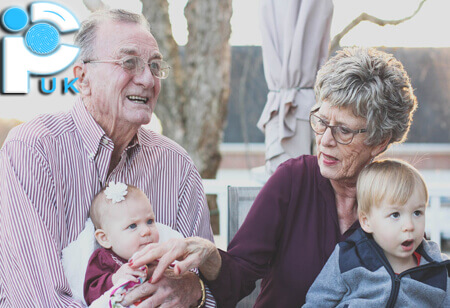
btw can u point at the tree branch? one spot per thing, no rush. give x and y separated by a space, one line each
94 5
335 42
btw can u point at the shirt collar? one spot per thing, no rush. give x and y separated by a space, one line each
90 131
136 141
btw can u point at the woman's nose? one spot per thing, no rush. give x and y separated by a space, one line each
328 138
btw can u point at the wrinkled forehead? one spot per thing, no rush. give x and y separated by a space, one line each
118 39
340 115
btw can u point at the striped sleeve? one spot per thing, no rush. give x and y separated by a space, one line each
31 274
193 202
194 212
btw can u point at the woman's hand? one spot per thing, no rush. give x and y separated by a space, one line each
191 252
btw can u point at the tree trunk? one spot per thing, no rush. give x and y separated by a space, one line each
192 105
172 96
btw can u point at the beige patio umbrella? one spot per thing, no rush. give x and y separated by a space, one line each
295 38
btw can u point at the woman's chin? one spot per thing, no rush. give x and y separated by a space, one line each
328 171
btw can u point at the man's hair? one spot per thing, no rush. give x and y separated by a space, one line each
85 38
100 204
388 180
375 86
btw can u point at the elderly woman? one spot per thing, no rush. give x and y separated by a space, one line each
365 103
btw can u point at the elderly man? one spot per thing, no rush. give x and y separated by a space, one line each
51 167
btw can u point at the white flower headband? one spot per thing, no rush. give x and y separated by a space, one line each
116 192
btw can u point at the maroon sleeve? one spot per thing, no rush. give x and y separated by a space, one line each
99 273
254 245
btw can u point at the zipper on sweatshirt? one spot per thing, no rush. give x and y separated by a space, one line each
394 291
397 278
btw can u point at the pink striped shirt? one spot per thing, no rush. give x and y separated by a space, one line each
51 168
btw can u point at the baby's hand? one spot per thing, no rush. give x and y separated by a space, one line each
126 273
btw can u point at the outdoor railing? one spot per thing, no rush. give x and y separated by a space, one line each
437 223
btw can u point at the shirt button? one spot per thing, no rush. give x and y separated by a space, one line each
105 141
92 156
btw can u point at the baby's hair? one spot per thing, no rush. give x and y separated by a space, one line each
98 208
391 180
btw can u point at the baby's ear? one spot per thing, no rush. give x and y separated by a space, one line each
364 221
102 238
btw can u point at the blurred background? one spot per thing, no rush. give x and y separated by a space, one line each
217 89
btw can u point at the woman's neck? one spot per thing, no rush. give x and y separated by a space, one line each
346 205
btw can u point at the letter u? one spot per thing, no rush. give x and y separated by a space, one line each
53 85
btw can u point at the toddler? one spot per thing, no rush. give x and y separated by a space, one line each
387 262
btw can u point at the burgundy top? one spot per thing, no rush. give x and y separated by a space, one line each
102 265
287 237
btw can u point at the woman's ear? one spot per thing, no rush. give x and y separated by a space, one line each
79 71
378 149
102 238
364 221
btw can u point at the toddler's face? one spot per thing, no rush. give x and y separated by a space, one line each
398 229
130 225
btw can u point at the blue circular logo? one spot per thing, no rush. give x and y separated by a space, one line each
42 38
15 19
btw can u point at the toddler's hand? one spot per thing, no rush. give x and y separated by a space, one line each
126 273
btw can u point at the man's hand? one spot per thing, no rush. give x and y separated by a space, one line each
170 291
126 273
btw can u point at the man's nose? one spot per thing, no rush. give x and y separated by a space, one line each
145 78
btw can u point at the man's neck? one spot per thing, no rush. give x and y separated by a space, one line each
120 133
120 144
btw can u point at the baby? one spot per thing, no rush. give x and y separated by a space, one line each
388 262
124 221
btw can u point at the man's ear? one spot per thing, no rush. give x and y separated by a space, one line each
79 71
102 238
365 222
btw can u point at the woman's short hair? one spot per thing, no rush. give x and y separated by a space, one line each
389 180
375 85
85 38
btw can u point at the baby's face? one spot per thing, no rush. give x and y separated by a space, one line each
130 225
398 229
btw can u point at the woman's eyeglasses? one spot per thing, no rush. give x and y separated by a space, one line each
341 134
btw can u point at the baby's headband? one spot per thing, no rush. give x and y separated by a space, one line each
116 192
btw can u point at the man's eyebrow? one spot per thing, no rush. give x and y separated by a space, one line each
134 52
128 51
157 55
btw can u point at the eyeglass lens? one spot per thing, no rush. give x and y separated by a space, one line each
136 65
341 134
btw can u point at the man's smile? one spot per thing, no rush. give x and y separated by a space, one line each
137 99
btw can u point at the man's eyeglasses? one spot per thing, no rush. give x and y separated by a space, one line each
136 65
341 134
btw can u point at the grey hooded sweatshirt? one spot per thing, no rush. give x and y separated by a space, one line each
358 274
